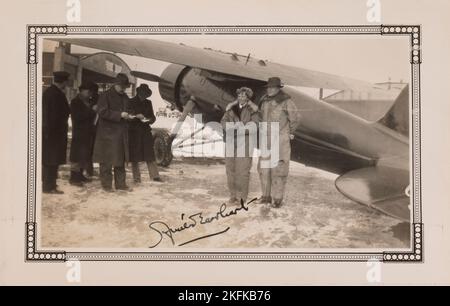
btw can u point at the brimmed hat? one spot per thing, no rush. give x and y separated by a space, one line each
60 76
144 89
122 79
274 82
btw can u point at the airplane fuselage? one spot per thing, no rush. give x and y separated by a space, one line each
328 137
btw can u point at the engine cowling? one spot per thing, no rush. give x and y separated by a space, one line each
212 91
179 83
169 86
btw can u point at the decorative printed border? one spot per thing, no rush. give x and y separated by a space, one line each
414 255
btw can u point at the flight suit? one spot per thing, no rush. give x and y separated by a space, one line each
279 108
238 167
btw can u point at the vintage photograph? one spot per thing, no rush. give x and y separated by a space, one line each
231 145
210 142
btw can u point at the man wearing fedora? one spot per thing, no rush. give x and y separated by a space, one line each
277 106
140 134
55 114
111 142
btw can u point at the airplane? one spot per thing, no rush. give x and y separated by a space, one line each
370 155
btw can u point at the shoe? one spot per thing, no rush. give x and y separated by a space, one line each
84 179
75 179
277 203
107 189
126 188
242 201
53 191
232 201
76 183
261 200
158 179
264 200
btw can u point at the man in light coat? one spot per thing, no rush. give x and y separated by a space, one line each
277 106
239 146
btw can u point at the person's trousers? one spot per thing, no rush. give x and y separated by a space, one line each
106 176
90 169
90 166
238 176
152 170
49 176
79 167
273 184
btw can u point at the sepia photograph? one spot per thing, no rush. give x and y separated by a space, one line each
224 150
250 142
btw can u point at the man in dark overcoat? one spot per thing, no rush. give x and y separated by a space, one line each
140 134
55 114
82 115
111 142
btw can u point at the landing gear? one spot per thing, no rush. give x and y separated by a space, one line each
163 147
163 139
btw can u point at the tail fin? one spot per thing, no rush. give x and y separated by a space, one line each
397 118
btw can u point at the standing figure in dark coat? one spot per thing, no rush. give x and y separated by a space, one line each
83 116
140 134
93 103
111 141
55 113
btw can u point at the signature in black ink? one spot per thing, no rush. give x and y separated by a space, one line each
190 222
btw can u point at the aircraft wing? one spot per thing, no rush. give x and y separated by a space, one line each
226 63
380 187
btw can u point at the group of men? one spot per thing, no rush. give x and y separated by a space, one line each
108 129
274 107
111 129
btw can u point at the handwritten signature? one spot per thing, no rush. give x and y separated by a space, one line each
191 221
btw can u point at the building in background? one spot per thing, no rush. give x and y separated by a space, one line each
370 106
101 68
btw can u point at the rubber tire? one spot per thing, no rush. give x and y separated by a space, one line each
162 146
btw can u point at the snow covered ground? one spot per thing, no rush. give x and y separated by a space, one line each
315 215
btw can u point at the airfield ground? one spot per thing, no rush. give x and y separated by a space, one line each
315 215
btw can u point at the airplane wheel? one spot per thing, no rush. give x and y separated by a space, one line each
163 147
